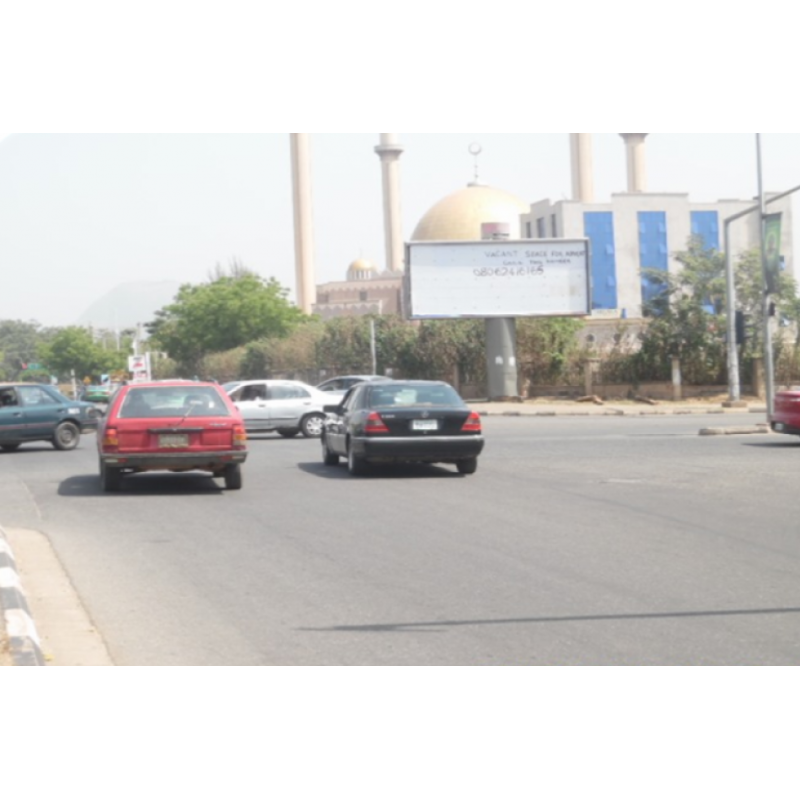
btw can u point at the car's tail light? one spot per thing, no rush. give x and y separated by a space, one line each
473 423
110 439
375 424
239 436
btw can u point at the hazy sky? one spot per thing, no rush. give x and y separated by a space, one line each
82 213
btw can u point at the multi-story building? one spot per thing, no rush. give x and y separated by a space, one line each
640 230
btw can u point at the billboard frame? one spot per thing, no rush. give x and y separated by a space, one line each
518 278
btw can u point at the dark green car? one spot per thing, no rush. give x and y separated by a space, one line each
32 412
97 394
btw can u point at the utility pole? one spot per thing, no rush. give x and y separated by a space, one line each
501 338
372 347
769 369
734 388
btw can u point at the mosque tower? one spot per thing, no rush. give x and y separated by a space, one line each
634 145
389 152
303 230
582 173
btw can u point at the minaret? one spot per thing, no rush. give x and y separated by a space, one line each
389 152
582 177
634 145
303 227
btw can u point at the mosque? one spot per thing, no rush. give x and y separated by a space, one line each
632 230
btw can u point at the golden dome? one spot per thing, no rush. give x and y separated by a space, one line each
361 269
459 216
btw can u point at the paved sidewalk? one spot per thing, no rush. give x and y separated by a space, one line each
628 408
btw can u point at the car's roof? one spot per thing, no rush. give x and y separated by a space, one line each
15 384
401 382
161 384
273 381
363 377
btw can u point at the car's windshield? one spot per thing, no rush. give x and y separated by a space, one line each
170 401
395 395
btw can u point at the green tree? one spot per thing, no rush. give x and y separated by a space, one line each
345 346
18 346
686 314
74 348
229 311
548 350
683 321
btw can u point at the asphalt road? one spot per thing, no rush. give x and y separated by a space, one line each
580 541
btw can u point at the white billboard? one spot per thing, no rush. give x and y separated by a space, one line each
139 367
522 278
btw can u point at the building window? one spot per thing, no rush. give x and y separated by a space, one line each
705 225
598 228
363 296
528 230
554 225
540 229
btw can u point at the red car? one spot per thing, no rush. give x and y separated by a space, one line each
174 426
786 412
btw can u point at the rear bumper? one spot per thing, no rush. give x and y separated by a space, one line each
174 462
784 425
422 448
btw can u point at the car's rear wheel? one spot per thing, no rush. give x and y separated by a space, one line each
9 447
467 466
233 476
110 478
329 458
288 433
312 426
356 465
66 436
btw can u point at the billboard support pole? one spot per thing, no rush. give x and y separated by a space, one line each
501 338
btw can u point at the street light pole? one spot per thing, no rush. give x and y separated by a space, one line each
734 390
769 371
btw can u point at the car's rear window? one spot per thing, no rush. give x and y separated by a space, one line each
383 396
171 401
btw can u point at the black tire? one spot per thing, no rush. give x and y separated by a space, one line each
288 433
66 436
312 425
467 466
233 476
356 465
10 447
328 458
110 478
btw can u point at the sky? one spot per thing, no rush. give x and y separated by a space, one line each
135 141
82 213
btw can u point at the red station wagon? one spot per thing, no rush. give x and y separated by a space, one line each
174 426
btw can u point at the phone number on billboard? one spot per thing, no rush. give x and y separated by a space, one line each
508 272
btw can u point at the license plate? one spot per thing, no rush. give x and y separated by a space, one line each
424 425
173 440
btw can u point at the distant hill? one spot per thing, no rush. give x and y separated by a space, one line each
128 304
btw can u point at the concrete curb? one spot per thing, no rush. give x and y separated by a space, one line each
513 410
24 644
735 431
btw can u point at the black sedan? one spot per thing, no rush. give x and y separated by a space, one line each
402 422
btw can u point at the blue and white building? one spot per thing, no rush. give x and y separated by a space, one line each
636 229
